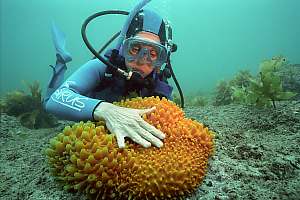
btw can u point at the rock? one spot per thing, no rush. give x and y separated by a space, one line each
9 125
290 75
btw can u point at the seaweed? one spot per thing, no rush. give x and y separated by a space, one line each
198 101
241 79
28 107
266 88
223 93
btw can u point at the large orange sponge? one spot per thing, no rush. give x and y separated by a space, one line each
86 158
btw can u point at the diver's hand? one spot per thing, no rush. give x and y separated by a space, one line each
127 122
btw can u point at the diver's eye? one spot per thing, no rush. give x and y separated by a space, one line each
153 54
134 50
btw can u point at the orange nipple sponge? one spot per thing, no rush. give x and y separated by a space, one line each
85 157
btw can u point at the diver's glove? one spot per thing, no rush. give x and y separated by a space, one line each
127 122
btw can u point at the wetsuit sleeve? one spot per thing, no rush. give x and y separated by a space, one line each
70 100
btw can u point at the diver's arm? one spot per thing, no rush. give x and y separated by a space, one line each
69 100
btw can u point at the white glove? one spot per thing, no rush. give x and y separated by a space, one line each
127 122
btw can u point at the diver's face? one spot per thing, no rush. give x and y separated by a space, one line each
140 66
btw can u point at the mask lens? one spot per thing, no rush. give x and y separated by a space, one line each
134 49
142 50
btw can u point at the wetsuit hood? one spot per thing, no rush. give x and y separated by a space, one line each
149 21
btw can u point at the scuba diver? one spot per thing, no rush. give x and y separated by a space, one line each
133 66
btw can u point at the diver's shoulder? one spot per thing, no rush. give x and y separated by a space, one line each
96 63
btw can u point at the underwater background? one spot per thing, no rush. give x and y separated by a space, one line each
238 136
215 38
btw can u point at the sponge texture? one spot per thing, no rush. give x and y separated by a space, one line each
86 157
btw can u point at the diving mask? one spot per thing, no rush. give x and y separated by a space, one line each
144 51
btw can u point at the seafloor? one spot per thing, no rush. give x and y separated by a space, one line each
257 156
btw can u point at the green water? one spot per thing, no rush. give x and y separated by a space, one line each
215 38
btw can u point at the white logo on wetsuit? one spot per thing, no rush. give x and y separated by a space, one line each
68 98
